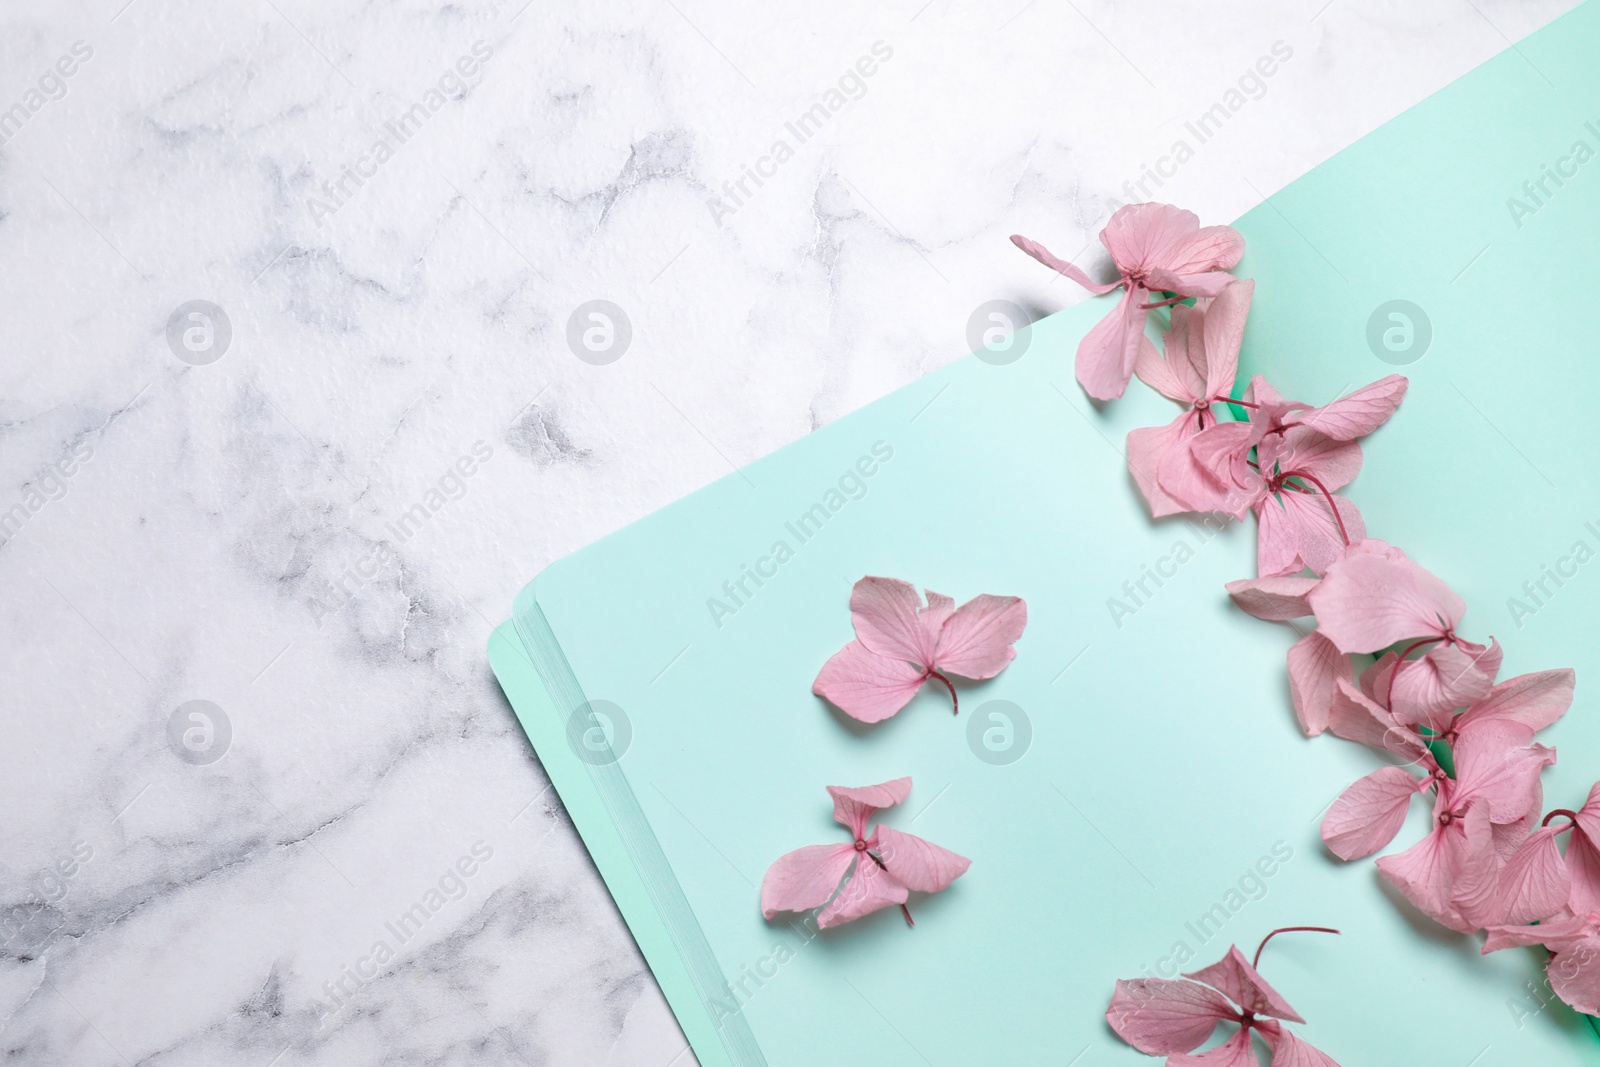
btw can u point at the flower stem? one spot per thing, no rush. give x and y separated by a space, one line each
1571 816
1289 930
904 910
1333 507
955 701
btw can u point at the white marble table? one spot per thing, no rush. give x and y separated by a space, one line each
306 509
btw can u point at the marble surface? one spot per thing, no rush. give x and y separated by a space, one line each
307 518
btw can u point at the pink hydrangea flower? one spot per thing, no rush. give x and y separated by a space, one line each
1156 248
1561 895
1369 814
1349 418
1196 368
1427 689
1173 1017
900 644
883 866
1284 464
1452 875
1375 597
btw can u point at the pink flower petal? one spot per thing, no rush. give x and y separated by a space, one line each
869 889
885 612
1234 976
1290 1051
1178 371
1162 1017
918 864
1376 678
1487 658
1160 236
1496 765
1318 537
1429 688
1198 361
1148 447
1141 236
1367 602
1225 453
1198 471
1237 1051
1583 856
1356 717
1441 599
1508 837
1561 931
931 619
1209 283
1260 391
1315 668
805 878
1277 539
975 641
1535 884
1534 700
1333 463
865 685
1107 353
1061 266
1369 813
1274 599
1360 413
853 806
1583 866
1159 279
1427 872
1206 283
1589 816
1475 870
1223 331
1575 975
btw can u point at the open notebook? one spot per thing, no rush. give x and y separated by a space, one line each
1133 791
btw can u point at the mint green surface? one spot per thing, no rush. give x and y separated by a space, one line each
546 730
1164 764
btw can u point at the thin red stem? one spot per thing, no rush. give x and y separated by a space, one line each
1289 930
1168 302
955 701
1333 507
1241 403
1572 816
904 910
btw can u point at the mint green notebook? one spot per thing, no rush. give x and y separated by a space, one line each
1133 791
